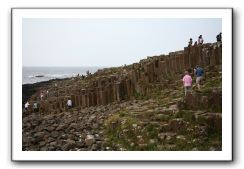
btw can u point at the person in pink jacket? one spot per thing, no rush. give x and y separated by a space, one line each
187 82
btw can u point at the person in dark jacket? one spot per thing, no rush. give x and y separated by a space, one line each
190 42
199 72
219 37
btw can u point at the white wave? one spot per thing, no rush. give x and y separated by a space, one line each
31 76
59 75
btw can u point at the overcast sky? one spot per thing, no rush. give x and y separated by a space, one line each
108 42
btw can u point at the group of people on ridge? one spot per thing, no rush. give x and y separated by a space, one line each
200 41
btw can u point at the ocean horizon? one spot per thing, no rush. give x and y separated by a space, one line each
32 75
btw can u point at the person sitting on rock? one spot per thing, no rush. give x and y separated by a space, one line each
187 82
199 74
200 40
195 44
190 42
69 103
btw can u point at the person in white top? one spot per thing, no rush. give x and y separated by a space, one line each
27 105
35 107
200 40
41 95
69 103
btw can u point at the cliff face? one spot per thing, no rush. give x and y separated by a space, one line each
123 83
135 107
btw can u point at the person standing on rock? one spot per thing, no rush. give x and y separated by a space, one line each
199 74
187 82
41 95
47 93
27 104
219 39
69 103
35 107
200 40
190 42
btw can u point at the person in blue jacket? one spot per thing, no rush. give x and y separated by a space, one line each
199 72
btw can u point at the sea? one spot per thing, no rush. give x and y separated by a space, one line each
32 75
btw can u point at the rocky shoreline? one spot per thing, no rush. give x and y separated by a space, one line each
134 107
30 89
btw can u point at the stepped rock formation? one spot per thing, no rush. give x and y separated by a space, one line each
118 84
134 107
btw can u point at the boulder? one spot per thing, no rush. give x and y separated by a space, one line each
61 127
70 144
177 124
89 140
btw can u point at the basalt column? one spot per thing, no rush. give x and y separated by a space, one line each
193 56
220 53
162 70
186 57
83 98
99 102
118 91
172 62
167 66
73 101
212 57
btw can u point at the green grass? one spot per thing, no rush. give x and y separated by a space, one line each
118 123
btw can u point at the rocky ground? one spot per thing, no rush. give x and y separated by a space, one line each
161 120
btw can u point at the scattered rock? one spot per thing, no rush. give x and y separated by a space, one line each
61 127
181 137
70 144
90 139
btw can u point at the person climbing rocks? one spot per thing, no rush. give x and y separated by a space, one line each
35 107
199 72
190 42
27 104
47 93
187 82
69 103
200 40
41 95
